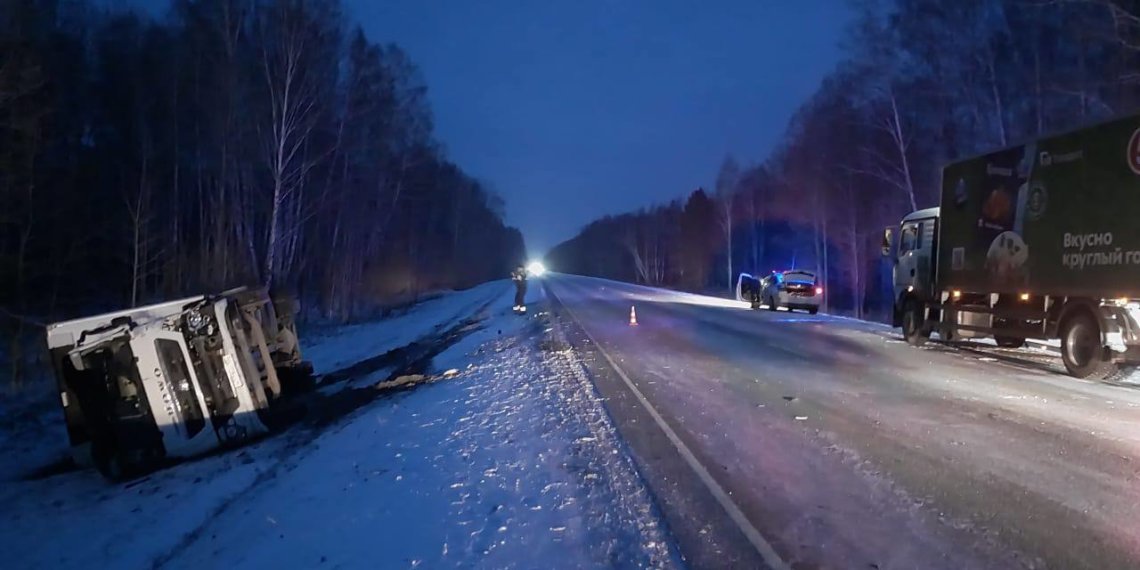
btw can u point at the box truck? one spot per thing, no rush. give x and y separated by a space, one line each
1039 241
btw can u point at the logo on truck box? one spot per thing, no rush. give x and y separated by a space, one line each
1038 200
1134 152
1006 259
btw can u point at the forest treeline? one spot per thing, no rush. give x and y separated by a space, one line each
222 143
924 82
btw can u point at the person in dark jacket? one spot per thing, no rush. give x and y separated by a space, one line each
752 291
519 277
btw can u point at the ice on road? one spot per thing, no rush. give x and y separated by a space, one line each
847 448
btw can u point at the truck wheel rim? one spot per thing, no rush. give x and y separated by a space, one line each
1081 345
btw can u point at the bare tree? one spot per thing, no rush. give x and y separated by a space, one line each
295 36
727 181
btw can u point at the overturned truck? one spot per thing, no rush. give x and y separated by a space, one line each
175 379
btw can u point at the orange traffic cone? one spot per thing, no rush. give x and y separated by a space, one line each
632 316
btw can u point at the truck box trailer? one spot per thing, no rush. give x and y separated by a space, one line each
1033 241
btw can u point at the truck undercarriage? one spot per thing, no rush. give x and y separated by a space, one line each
1098 336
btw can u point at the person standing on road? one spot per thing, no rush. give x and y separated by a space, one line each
519 277
753 291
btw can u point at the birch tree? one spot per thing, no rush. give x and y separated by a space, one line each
727 180
298 39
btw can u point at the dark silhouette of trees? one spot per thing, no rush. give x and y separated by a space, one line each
925 82
698 240
230 142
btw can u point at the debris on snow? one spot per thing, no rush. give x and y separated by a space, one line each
405 380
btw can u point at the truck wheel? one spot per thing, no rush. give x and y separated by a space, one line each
813 310
1009 341
1081 348
297 379
912 325
111 463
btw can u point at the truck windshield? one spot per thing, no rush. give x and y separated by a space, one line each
178 378
908 238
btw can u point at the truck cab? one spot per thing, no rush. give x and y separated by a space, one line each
172 380
912 248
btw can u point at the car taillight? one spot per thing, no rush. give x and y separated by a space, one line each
819 290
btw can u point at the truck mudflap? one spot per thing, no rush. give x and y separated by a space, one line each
1121 326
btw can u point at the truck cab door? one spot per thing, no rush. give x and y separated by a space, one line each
913 270
173 391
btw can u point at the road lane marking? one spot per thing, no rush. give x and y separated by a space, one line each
762 546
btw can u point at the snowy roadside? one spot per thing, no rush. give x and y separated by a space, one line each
330 349
33 436
512 463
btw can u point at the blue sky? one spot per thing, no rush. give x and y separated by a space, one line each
575 109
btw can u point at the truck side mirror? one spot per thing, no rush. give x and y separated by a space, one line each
887 234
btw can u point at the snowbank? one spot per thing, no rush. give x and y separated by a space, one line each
331 349
511 463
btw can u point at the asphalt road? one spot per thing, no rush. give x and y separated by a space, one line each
838 446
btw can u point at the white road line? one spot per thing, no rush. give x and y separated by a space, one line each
761 545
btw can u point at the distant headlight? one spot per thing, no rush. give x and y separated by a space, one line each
536 268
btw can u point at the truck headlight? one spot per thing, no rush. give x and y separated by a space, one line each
195 321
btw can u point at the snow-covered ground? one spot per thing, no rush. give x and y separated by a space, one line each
511 463
331 349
